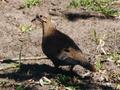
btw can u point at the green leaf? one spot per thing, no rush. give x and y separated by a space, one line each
118 86
25 27
30 3
20 87
98 63
102 6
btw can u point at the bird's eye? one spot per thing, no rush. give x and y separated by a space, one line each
40 16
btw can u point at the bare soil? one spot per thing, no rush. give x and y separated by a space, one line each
76 23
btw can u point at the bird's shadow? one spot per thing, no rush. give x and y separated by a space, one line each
36 71
76 16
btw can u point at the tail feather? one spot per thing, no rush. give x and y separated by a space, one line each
89 66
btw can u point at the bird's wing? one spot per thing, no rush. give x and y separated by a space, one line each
71 56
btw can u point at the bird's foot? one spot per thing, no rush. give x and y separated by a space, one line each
71 68
57 67
87 74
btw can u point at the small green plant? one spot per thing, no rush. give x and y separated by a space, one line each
118 86
63 79
98 63
114 56
30 3
66 81
95 37
20 87
25 27
102 6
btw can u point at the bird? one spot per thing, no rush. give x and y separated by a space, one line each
59 47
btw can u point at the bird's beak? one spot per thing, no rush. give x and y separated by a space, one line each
33 19
36 18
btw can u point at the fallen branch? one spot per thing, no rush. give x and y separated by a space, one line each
17 59
9 67
24 58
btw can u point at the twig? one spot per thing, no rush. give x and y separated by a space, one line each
7 68
25 58
22 59
115 41
7 81
20 54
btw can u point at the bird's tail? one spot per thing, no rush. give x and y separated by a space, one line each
88 65
84 62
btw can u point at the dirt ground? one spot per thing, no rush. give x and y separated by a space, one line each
77 24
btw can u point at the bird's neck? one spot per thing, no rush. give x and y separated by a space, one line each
48 29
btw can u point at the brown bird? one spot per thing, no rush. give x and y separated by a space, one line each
59 47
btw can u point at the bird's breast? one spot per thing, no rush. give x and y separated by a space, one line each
50 47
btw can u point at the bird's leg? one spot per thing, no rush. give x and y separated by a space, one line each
87 74
56 65
71 68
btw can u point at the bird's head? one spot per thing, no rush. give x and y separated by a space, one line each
47 25
42 18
